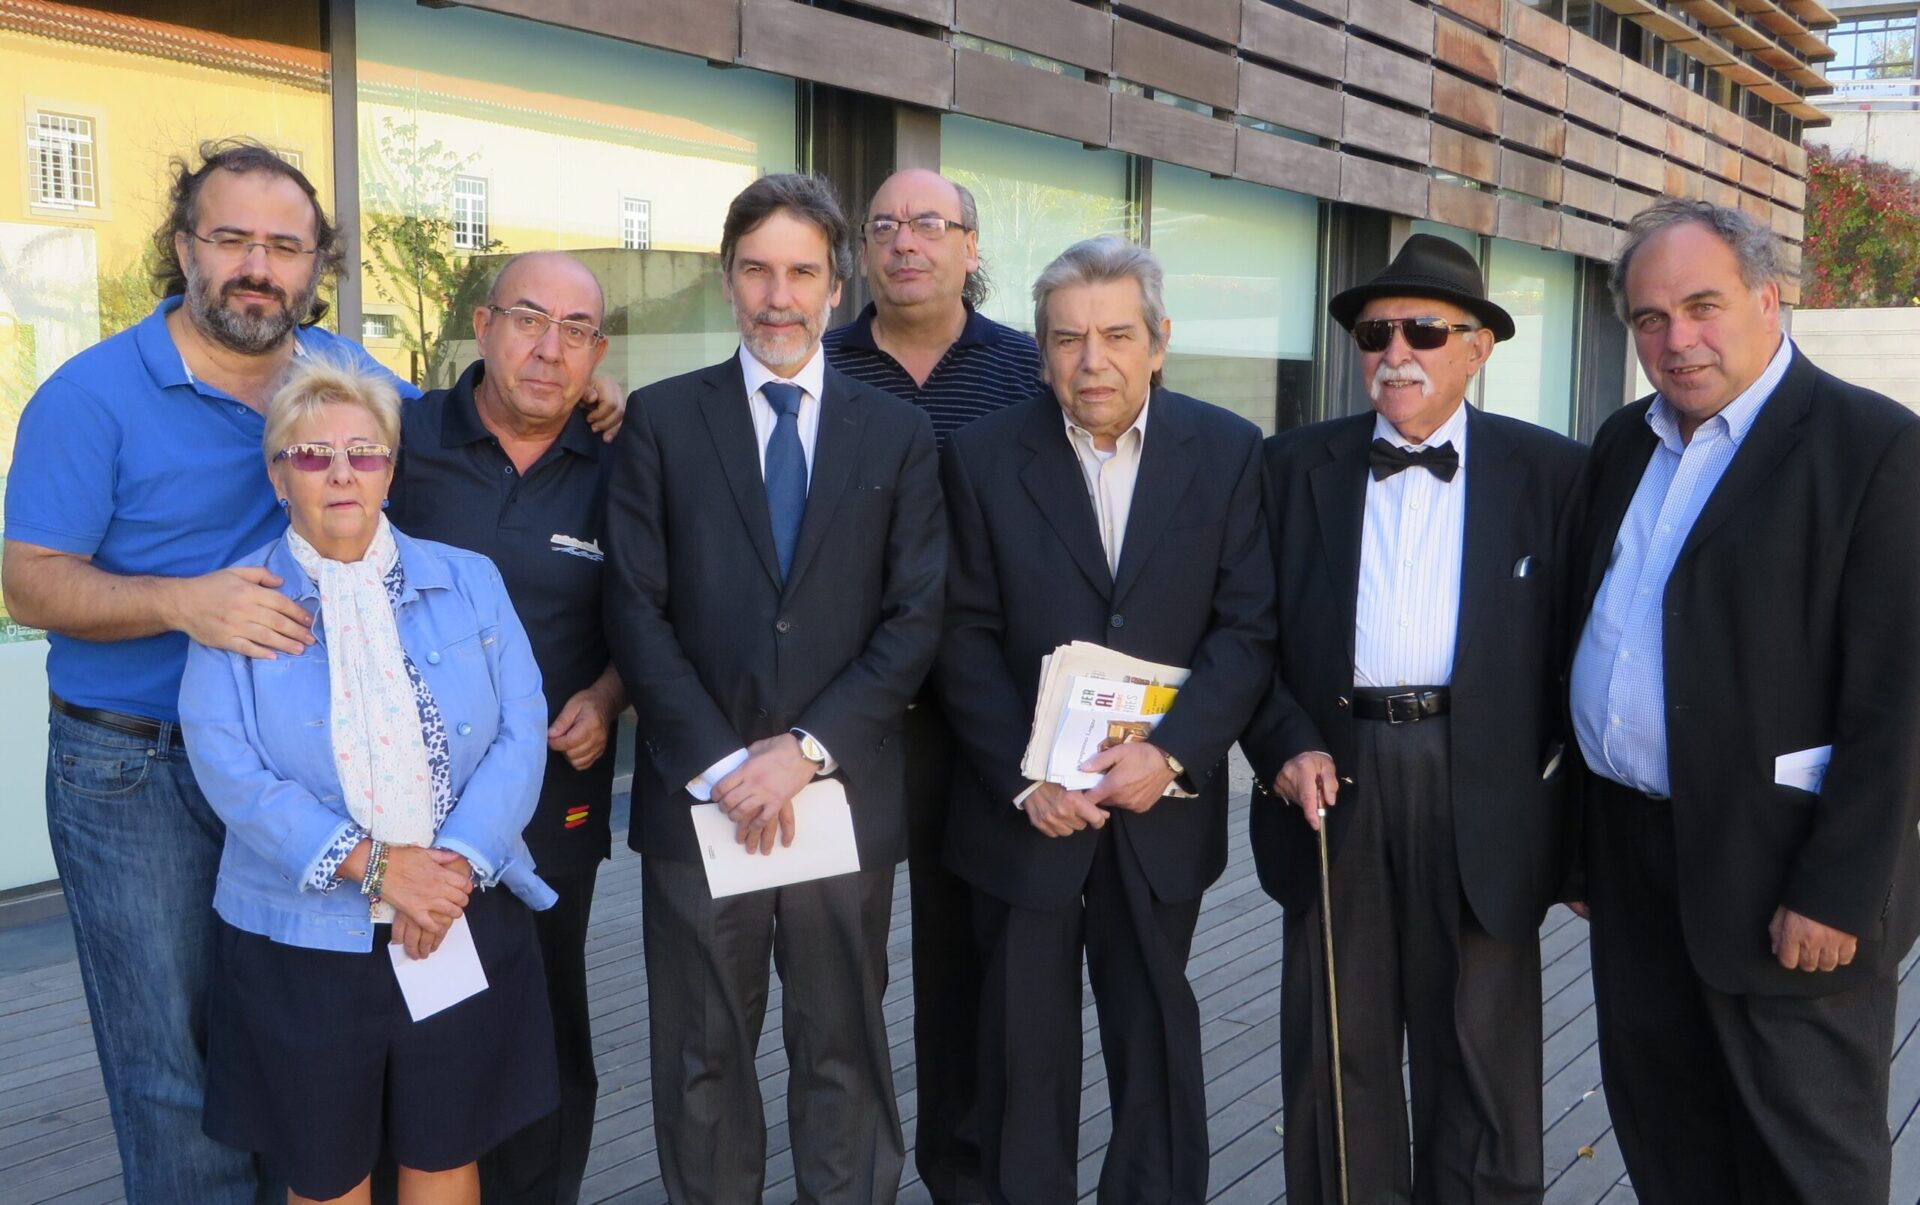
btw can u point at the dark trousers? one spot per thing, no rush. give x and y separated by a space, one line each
707 996
1717 1097
946 971
1412 961
1029 1100
544 1163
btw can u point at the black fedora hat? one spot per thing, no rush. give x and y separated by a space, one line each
1427 266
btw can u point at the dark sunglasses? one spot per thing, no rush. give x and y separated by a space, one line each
1422 334
318 458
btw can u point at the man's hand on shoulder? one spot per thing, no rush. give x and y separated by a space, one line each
1802 943
606 405
1133 776
239 610
1058 812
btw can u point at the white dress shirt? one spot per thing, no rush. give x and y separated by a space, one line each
812 378
1408 607
1110 477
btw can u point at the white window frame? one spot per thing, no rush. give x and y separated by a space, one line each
470 213
636 223
63 168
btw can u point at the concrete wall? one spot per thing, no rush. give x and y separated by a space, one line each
1889 136
1875 349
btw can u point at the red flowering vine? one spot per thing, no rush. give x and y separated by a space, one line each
1862 246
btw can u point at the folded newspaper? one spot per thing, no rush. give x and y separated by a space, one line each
1091 699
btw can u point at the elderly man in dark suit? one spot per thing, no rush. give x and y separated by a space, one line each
775 559
1115 511
1746 700
1416 683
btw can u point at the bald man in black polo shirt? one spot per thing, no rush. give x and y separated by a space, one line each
505 464
923 339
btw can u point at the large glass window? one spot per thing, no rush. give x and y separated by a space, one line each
1037 194
1531 375
1877 47
1242 272
482 136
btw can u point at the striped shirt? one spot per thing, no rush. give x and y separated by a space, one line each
988 367
1408 609
1619 687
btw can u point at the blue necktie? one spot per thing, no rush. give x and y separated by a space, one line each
786 471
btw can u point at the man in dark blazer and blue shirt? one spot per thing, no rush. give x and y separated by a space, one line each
1746 696
775 562
1115 511
1417 684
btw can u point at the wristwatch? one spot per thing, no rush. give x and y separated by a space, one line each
811 749
1173 763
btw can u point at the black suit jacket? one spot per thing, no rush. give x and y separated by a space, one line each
1792 621
1028 574
1506 715
714 651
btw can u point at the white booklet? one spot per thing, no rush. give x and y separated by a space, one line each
1089 696
443 978
822 846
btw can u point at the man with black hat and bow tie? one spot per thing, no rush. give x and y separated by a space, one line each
1413 707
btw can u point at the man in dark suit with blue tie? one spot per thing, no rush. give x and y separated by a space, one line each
1416 682
775 563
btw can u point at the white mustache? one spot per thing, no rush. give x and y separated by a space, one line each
1410 371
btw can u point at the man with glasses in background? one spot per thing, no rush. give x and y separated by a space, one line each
923 339
1416 684
504 464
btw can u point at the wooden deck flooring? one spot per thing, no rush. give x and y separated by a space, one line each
56 1143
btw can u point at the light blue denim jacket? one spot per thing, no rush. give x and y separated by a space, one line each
258 735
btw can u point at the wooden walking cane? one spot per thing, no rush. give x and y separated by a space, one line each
1333 1007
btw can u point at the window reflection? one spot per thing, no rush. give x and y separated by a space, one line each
482 136
1241 263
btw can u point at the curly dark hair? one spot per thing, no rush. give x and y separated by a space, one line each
242 156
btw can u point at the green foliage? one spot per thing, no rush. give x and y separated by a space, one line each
407 235
1862 246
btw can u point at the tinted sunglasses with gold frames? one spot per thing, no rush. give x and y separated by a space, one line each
318 458
1422 334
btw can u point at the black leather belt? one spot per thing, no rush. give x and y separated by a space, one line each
1406 707
119 721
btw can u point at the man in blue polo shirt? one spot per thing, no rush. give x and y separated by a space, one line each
923 340
137 476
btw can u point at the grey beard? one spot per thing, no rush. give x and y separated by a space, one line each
250 334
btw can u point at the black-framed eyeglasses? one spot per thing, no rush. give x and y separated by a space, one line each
926 226
234 246
1422 334
318 458
532 324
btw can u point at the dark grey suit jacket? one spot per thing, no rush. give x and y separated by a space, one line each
715 651
1508 651
1792 621
1028 573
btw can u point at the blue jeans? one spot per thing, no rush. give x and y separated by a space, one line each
138 849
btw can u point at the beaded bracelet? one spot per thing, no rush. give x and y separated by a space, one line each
376 874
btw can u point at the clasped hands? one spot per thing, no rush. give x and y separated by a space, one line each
1134 775
427 887
758 795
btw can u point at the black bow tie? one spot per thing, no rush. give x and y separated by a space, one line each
1390 458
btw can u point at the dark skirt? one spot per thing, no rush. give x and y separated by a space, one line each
314 1062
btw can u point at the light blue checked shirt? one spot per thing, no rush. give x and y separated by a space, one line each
1619 687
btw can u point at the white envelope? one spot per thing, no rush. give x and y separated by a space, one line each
1803 770
443 978
822 846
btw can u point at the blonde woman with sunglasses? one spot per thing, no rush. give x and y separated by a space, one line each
374 788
